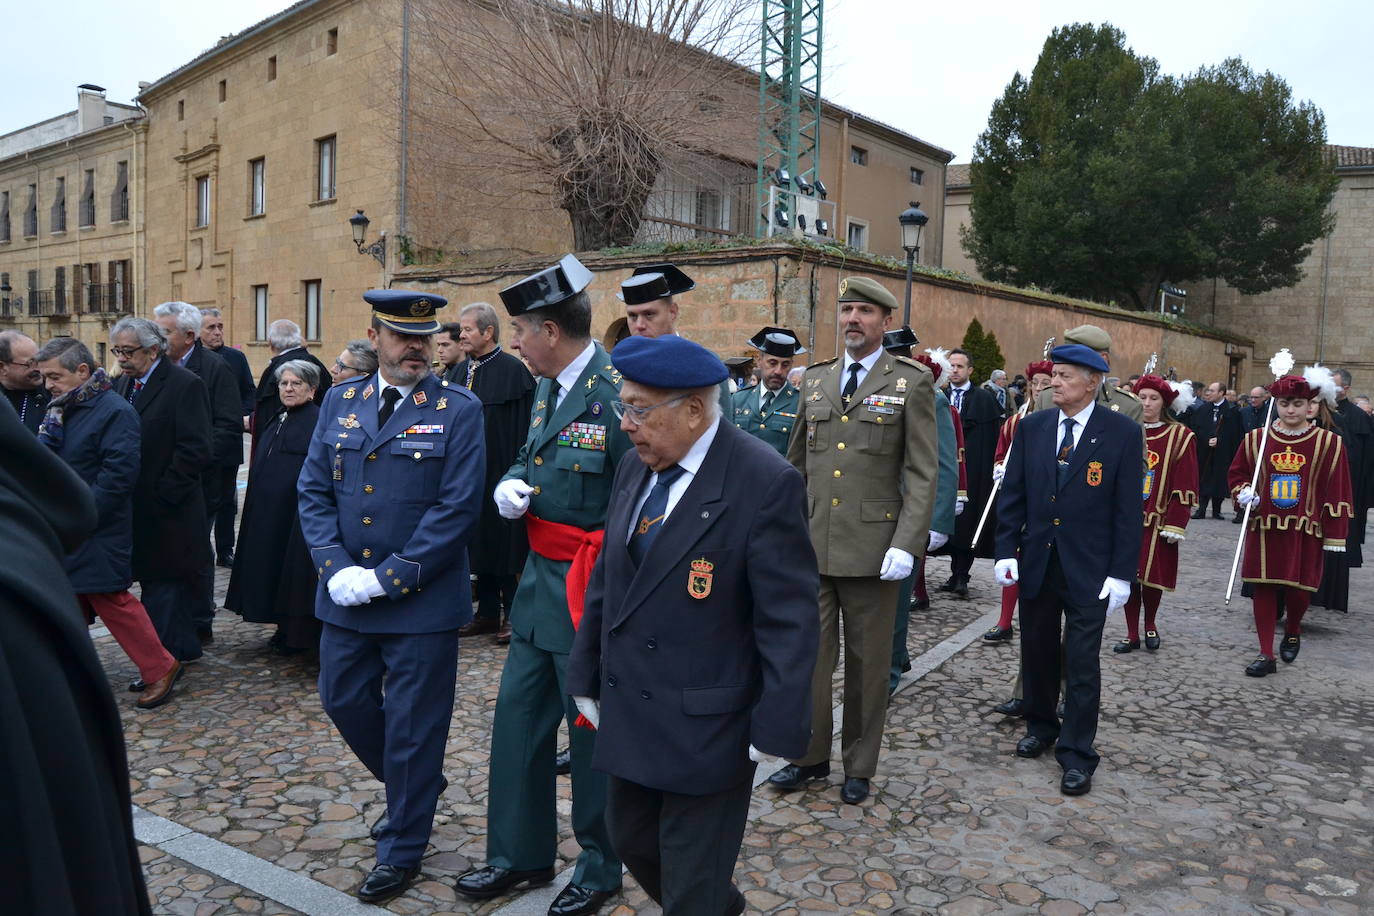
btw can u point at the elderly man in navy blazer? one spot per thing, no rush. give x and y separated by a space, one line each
1070 510
695 653
389 494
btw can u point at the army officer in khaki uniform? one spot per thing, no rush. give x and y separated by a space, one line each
868 448
1114 399
768 411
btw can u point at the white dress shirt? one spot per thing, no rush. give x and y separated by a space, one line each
1080 422
690 464
572 372
957 394
865 366
383 385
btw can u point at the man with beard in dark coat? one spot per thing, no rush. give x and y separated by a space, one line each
981 416
498 547
284 337
181 322
65 795
169 507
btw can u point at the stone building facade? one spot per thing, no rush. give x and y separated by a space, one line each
71 223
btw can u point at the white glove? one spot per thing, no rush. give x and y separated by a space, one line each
1334 548
759 756
367 586
512 498
959 505
1173 537
1116 591
897 564
999 470
937 540
341 587
590 709
1247 498
1007 572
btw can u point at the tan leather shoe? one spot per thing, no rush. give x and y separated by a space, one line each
503 634
158 693
479 626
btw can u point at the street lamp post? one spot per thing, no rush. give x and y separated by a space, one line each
912 221
377 249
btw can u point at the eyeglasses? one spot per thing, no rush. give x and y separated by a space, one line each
125 352
341 366
637 414
292 383
25 364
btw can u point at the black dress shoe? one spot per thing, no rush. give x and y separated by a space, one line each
919 604
1076 782
491 881
385 882
1288 649
562 762
226 560
1261 666
1218 516
1014 707
137 685
1126 645
793 776
961 588
1152 640
854 791
1031 746
205 635
997 634
1236 519
575 900
948 585
375 832
1201 513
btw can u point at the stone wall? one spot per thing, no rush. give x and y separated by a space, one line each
739 290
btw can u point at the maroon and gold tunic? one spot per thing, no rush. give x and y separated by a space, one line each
1305 504
1169 493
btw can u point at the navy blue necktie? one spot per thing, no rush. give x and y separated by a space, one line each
1065 450
651 516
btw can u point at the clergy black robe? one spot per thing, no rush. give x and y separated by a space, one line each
274 578
506 388
267 404
64 799
981 416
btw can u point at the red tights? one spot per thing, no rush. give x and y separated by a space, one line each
919 589
1010 595
1266 601
1148 596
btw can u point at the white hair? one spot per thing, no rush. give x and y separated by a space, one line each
149 333
711 398
211 312
284 334
303 369
187 315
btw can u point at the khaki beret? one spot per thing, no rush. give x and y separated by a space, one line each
862 289
1090 336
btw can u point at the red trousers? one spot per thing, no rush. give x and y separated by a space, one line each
127 620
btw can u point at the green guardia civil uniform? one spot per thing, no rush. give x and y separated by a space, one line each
773 425
569 458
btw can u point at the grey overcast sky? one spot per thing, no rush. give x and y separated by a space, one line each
932 69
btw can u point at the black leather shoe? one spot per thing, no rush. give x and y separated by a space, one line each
1076 782
948 585
1235 519
793 776
1288 649
562 762
1261 666
226 560
1014 707
854 791
1031 746
1152 640
1218 516
1201 513
997 634
575 900
205 635
385 882
1126 645
491 881
137 685
919 604
375 832
961 588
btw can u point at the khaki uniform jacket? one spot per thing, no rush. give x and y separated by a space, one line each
870 466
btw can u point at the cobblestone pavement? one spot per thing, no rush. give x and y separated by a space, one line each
1216 793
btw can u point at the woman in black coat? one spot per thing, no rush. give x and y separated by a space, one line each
273 579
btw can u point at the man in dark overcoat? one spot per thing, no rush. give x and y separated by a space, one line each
497 551
212 336
169 505
981 417
1070 510
65 794
695 653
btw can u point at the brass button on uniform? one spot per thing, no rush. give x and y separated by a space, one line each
835 501
577 467
889 516
1056 521
877 419
536 489
391 572
837 473
405 591
367 488
367 552
840 446
372 457
328 562
538 460
417 456
366 520
395 581
844 419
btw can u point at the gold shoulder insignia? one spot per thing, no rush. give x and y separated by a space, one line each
824 362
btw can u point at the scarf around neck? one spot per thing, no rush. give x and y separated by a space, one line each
51 432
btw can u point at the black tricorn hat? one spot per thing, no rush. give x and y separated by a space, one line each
678 282
900 338
780 342
642 288
549 286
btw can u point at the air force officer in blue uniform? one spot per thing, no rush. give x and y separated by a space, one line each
389 495
1070 509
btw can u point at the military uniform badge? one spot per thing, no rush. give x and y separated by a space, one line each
367 392
348 395
699 579
1094 473
419 399
901 385
441 404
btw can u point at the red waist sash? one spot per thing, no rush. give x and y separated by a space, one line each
567 544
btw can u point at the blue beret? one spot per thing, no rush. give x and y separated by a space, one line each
1079 355
408 311
667 362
